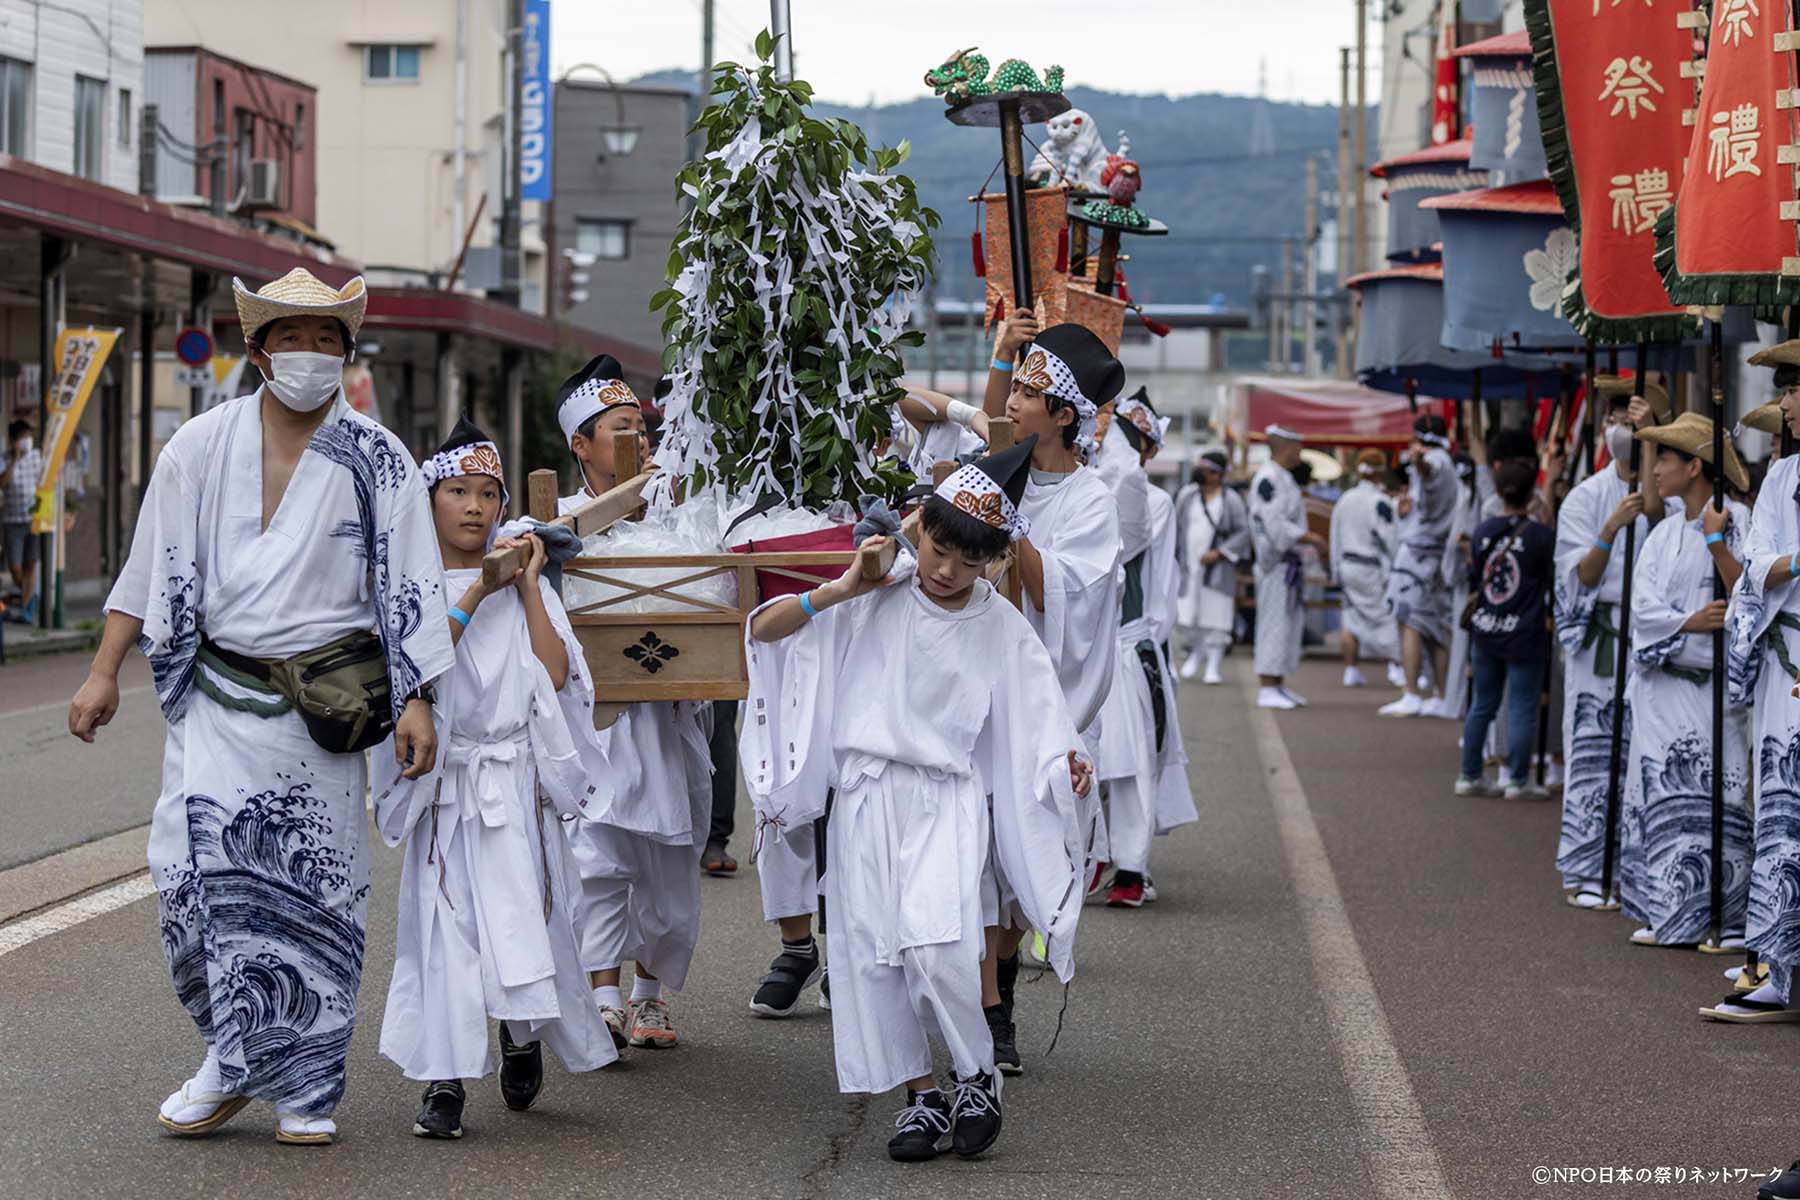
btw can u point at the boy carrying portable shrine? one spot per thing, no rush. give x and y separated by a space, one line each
486 929
914 698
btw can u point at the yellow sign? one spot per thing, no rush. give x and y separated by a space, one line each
80 353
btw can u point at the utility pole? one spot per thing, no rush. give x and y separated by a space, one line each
1309 274
1361 166
781 25
1284 307
510 185
703 82
1341 324
459 120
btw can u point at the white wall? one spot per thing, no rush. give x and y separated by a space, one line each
101 39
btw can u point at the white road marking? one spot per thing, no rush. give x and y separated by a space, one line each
85 908
1402 1160
124 693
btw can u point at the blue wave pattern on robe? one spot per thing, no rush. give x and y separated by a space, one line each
1773 928
263 935
1673 829
172 664
374 464
1581 848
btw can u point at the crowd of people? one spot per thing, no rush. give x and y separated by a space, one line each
945 776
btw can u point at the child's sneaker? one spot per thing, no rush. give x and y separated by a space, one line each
976 1115
1475 787
650 1024
792 972
923 1125
618 1024
441 1114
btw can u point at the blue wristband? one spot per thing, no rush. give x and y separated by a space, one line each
1713 539
1600 545
1794 565
459 616
1002 366
806 604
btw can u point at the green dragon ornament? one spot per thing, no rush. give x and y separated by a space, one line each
963 76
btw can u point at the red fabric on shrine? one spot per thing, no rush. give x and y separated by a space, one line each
1728 221
1325 412
771 584
1619 71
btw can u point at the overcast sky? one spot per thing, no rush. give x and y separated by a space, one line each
852 50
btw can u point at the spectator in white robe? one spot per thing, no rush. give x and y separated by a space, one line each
280 528
1362 541
922 698
639 861
1665 859
486 930
1212 537
1278 532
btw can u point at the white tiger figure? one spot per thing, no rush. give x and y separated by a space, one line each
1074 149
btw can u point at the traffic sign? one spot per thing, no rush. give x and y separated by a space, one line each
194 347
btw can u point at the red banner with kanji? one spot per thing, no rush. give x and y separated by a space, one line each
1610 98
1727 225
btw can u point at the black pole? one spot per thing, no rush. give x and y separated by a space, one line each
1412 396
1588 426
1716 896
1615 765
1012 153
1559 413
1793 331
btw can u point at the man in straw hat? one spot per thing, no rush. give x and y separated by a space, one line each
1763 648
1277 530
1665 866
282 532
1589 586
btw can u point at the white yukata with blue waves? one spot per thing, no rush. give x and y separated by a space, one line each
257 844
1417 589
1665 831
1762 647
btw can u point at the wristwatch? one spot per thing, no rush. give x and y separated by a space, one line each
423 692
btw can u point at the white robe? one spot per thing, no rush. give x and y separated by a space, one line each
1075 529
1162 597
1587 626
257 843
1208 604
1665 841
639 860
1763 647
941 441
486 927
1417 589
916 715
1277 521
1363 539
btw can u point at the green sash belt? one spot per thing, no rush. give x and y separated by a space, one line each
1602 635
1775 640
274 705
1694 675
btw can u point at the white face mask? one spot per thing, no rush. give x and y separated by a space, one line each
1618 442
305 381
25 444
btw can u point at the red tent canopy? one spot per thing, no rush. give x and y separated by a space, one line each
1328 412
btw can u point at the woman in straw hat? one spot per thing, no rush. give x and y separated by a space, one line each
1665 865
281 524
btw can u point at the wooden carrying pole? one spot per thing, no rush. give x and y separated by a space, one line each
622 501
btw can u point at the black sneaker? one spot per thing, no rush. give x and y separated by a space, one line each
778 995
923 1125
1008 971
1006 1040
1785 1186
521 1071
825 993
441 1114
976 1115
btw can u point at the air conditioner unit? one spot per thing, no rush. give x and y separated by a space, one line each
263 189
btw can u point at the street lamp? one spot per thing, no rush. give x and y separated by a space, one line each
618 139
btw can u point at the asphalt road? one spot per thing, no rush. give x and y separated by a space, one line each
1410 1011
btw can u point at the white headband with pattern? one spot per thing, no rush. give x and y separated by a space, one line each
1278 430
1049 374
1432 439
1144 417
973 491
592 398
476 458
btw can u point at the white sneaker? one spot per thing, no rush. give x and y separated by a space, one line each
1475 787
1525 791
1353 677
1408 705
1274 697
1212 678
1553 774
1296 697
1190 666
1439 707
1396 676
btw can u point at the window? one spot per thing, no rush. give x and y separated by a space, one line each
604 238
243 148
90 119
15 105
386 63
299 126
125 118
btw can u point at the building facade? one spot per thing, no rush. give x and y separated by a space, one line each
618 208
411 126
71 78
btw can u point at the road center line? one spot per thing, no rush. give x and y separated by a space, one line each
84 908
1403 1162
